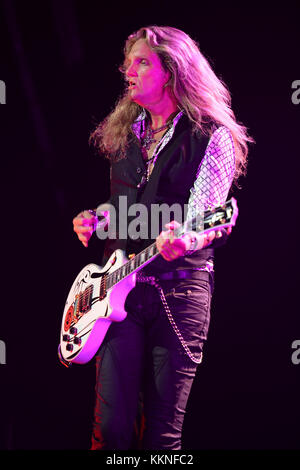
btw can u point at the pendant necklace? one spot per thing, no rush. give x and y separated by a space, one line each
146 141
148 137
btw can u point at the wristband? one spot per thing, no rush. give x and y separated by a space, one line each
193 243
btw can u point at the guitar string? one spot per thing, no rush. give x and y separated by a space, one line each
178 232
135 261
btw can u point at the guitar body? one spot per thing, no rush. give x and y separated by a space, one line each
90 309
97 296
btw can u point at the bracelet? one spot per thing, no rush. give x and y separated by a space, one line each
193 245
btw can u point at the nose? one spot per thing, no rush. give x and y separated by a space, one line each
131 71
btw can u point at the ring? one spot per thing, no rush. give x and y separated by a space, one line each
92 212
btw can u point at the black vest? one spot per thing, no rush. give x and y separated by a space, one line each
170 182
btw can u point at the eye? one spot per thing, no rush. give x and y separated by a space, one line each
144 62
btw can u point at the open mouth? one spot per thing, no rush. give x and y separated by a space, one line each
131 84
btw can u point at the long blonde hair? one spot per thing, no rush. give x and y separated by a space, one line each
203 97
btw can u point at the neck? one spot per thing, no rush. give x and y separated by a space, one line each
160 112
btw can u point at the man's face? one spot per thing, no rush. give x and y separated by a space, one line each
145 75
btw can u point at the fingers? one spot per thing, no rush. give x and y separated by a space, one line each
84 229
172 225
166 242
210 237
84 237
169 247
169 254
84 241
84 219
84 226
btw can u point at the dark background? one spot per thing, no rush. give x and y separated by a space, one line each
59 60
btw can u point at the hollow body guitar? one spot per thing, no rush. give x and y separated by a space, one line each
97 296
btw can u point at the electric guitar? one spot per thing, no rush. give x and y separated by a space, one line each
98 294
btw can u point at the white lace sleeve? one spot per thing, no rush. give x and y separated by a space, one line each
214 175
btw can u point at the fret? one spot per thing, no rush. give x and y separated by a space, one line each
151 250
224 215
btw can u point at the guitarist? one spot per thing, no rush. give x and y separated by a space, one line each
172 138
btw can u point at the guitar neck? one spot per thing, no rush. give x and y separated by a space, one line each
138 262
218 217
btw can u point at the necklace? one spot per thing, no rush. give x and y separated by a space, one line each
148 137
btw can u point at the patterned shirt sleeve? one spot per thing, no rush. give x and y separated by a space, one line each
214 175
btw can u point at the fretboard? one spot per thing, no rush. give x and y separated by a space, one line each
137 262
221 216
